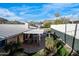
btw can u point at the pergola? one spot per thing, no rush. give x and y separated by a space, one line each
37 31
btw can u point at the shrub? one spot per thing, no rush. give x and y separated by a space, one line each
50 43
62 52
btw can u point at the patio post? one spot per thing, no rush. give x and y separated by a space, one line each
39 39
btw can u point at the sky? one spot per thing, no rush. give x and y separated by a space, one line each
37 11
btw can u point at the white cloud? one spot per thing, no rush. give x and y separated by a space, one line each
5 13
28 11
33 12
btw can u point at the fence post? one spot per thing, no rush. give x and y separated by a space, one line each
65 29
73 42
65 32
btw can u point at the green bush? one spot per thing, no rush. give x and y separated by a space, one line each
50 43
49 47
62 52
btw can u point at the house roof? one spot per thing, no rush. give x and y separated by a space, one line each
7 30
34 31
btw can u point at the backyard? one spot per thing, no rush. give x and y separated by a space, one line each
53 47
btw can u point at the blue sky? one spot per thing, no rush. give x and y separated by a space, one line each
37 11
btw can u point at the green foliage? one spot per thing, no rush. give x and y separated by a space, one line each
49 29
61 20
47 24
62 52
59 43
49 47
50 43
58 21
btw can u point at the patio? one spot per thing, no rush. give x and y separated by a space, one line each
32 48
34 40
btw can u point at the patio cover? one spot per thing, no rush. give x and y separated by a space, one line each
34 31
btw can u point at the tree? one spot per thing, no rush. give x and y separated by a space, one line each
57 14
47 24
58 21
61 20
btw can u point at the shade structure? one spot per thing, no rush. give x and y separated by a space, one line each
34 31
